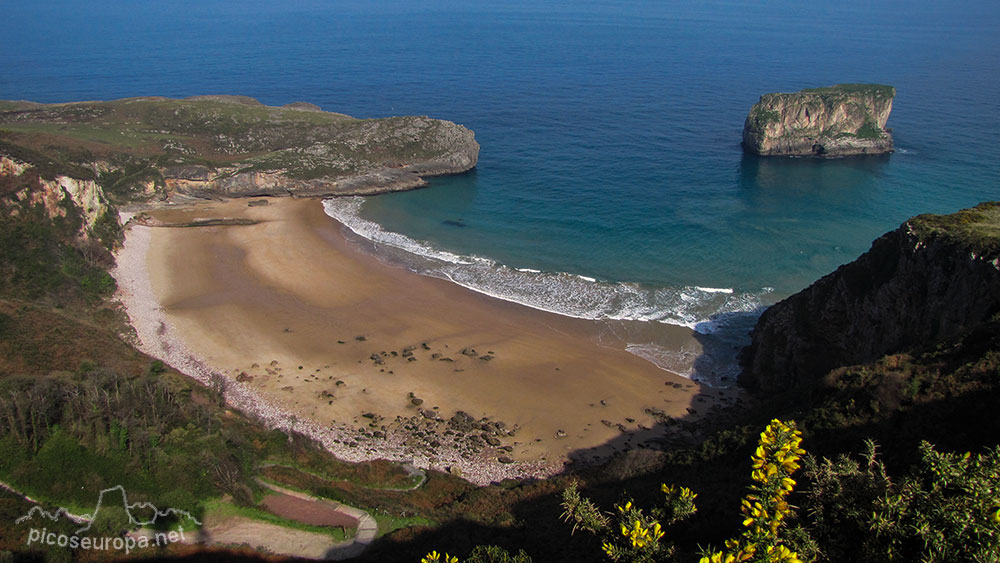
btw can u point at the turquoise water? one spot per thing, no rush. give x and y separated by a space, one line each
610 130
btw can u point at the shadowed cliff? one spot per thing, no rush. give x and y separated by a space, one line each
932 278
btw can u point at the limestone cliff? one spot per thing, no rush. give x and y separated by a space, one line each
933 278
841 120
59 196
218 146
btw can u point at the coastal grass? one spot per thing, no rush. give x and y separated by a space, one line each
868 131
977 228
877 90
389 523
213 131
376 474
99 413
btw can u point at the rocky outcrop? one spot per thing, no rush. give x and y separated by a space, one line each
933 278
58 196
233 146
841 120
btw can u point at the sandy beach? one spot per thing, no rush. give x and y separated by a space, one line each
310 330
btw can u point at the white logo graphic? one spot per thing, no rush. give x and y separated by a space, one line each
127 543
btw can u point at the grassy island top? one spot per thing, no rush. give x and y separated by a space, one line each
834 94
215 131
977 228
876 90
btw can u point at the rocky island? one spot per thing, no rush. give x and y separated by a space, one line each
154 148
933 278
841 120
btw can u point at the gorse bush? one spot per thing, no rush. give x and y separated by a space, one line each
629 533
947 508
480 554
636 535
765 508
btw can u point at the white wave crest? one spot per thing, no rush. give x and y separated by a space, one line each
572 295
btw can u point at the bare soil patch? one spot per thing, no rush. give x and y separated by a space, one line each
315 513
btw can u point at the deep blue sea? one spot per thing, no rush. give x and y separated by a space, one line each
611 183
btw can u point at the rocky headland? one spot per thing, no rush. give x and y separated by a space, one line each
933 278
841 120
155 149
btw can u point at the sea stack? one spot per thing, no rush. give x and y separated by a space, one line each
841 120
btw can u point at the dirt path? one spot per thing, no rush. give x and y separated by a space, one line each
366 531
280 540
239 530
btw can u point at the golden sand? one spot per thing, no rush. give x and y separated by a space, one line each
295 310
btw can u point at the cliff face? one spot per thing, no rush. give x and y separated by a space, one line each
934 277
59 196
230 146
842 120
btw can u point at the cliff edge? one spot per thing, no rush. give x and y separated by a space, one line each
934 277
147 149
841 120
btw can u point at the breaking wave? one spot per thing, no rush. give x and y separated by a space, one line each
707 310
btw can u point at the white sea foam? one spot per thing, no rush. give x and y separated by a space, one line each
707 310
714 289
572 295
680 361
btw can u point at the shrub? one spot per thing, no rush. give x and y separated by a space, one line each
946 509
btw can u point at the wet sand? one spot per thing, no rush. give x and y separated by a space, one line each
327 332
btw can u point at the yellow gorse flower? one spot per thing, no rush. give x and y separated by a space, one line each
608 548
435 557
774 460
781 554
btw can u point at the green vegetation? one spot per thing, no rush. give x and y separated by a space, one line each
140 138
480 554
66 437
46 164
764 510
869 131
977 229
387 523
42 258
377 474
947 508
80 410
760 117
879 91
124 180
221 509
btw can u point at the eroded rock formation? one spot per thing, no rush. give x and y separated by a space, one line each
230 146
932 278
841 120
